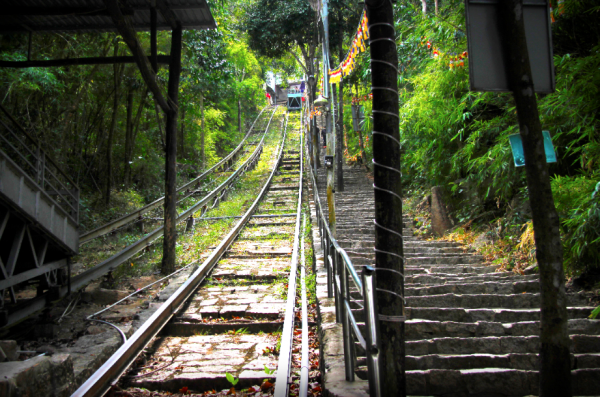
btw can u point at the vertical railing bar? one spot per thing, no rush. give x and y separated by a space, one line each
338 290
348 348
372 326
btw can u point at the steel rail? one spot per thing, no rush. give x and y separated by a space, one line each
81 280
304 361
287 334
107 375
125 219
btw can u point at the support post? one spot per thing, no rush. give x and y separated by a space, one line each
555 364
153 45
130 37
339 141
170 234
388 203
29 46
330 126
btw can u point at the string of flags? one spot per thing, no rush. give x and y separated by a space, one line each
357 100
314 113
346 67
454 60
560 9
362 35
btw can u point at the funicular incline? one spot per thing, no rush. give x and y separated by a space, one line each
470 330
39 214
191 187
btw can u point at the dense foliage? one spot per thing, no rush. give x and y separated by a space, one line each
458 139
72 110
451 137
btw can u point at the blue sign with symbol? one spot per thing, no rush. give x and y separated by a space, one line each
519 155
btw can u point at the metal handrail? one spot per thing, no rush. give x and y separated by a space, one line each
339 268
125 219
40 167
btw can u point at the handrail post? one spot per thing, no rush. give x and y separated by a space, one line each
372 325
339 297
345 296
330 270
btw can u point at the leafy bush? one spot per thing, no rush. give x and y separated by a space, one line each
582 235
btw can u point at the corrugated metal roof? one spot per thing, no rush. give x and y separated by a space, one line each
90 15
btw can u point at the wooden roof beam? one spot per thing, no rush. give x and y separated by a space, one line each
57 11
165 10
167 14
162 59
130 37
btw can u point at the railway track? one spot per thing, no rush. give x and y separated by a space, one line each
27 308
234 317
192 187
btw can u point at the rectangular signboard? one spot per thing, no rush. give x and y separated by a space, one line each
486 56
516 145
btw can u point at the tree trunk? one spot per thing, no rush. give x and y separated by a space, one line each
128 134
424 5
202 134
117 70
182 145
361 144
330 127
130 140
436 7
339 143
555 364
239 103
170 216
388 204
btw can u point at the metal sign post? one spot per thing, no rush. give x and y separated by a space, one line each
511 50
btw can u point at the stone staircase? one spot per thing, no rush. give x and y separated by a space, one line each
471 331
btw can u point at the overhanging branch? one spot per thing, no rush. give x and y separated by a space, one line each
298 60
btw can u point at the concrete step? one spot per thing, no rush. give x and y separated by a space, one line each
475 315
525 361
489 287
445 259
495 345
417 329
492 382
490 301
463 269
492 315
421 279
